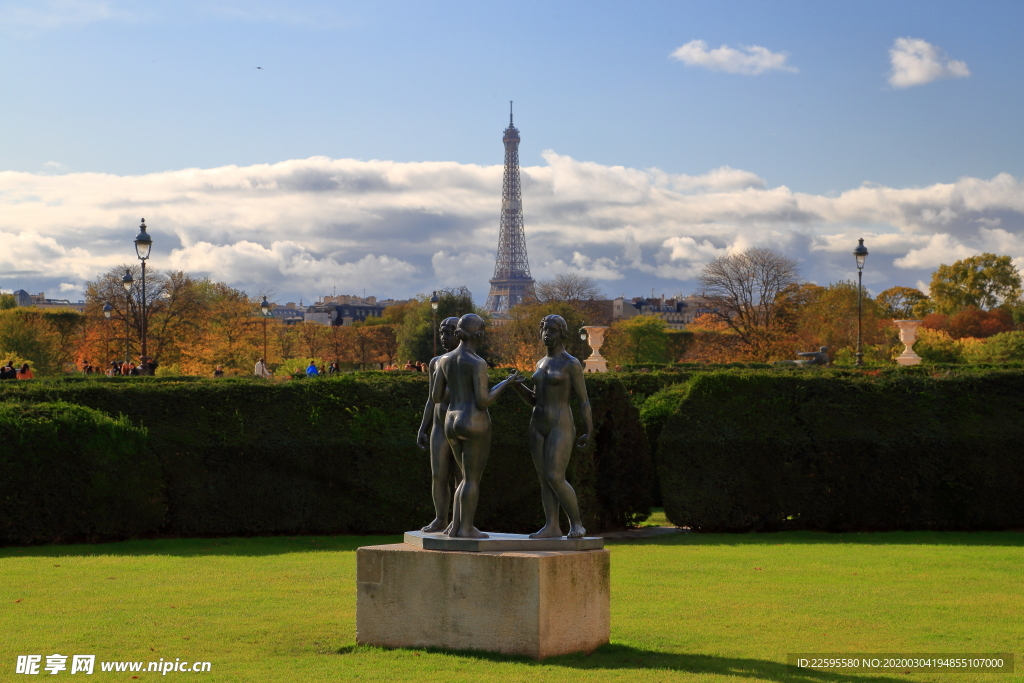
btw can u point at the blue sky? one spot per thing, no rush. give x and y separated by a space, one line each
802 98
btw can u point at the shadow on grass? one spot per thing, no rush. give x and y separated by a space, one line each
981 538
260 546
613 657
257 546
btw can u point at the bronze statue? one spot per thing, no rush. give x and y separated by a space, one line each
552 430
467 424
435 441
819 357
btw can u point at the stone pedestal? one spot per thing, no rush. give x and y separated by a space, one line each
595 337
908 335
538 603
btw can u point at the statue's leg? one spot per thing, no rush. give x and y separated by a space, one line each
440 462
557 451
551 528
456 446
475 450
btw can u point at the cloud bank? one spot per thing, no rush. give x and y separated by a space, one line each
308 227
916 62
749 60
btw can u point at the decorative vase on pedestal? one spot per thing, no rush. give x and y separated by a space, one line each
595 337
908 335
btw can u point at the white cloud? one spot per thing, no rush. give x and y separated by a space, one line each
916 62
304 227
53 14
749 60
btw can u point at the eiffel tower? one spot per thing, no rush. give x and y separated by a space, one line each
511 284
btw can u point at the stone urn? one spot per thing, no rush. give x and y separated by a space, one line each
908 335
595 337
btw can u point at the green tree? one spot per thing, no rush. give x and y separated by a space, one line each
46 339
416 334
640 339
901 303
985 281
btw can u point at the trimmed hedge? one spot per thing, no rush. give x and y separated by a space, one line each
339 455
848 450
72 472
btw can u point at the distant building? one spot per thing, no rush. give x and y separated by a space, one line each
342 309
23 298
677 312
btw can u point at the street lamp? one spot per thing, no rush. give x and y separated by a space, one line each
265 308
434 301
583 334
127 281
861 254
107 310
143 244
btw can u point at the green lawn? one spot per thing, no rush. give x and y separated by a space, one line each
687 607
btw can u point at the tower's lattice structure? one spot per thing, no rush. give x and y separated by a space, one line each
511 283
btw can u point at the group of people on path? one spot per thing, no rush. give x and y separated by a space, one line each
312 370
118 368
10 372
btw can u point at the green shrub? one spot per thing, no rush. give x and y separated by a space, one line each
1004 347
742 451
68 472
243 456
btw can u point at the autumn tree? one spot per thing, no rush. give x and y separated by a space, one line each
571 287
516 342
748 290
174 309
903 303
830 319
972 322
984 281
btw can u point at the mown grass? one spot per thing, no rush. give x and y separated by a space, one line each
687 607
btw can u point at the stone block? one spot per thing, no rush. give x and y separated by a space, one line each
538 603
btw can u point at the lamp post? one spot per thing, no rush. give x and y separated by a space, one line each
107 310
861 254
434 301
143 244
127 281
265 308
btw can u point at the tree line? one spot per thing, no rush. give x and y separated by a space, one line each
760 310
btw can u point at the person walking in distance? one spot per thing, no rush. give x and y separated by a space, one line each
431 435
467 424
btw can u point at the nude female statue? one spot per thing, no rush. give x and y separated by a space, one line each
552 431
435 440
467 423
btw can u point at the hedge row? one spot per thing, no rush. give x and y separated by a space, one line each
748 451
326 456
72 472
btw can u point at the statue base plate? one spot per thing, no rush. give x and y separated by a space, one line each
500 543
537 604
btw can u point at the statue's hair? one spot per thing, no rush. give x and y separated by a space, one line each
558 320
470 325
448 322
